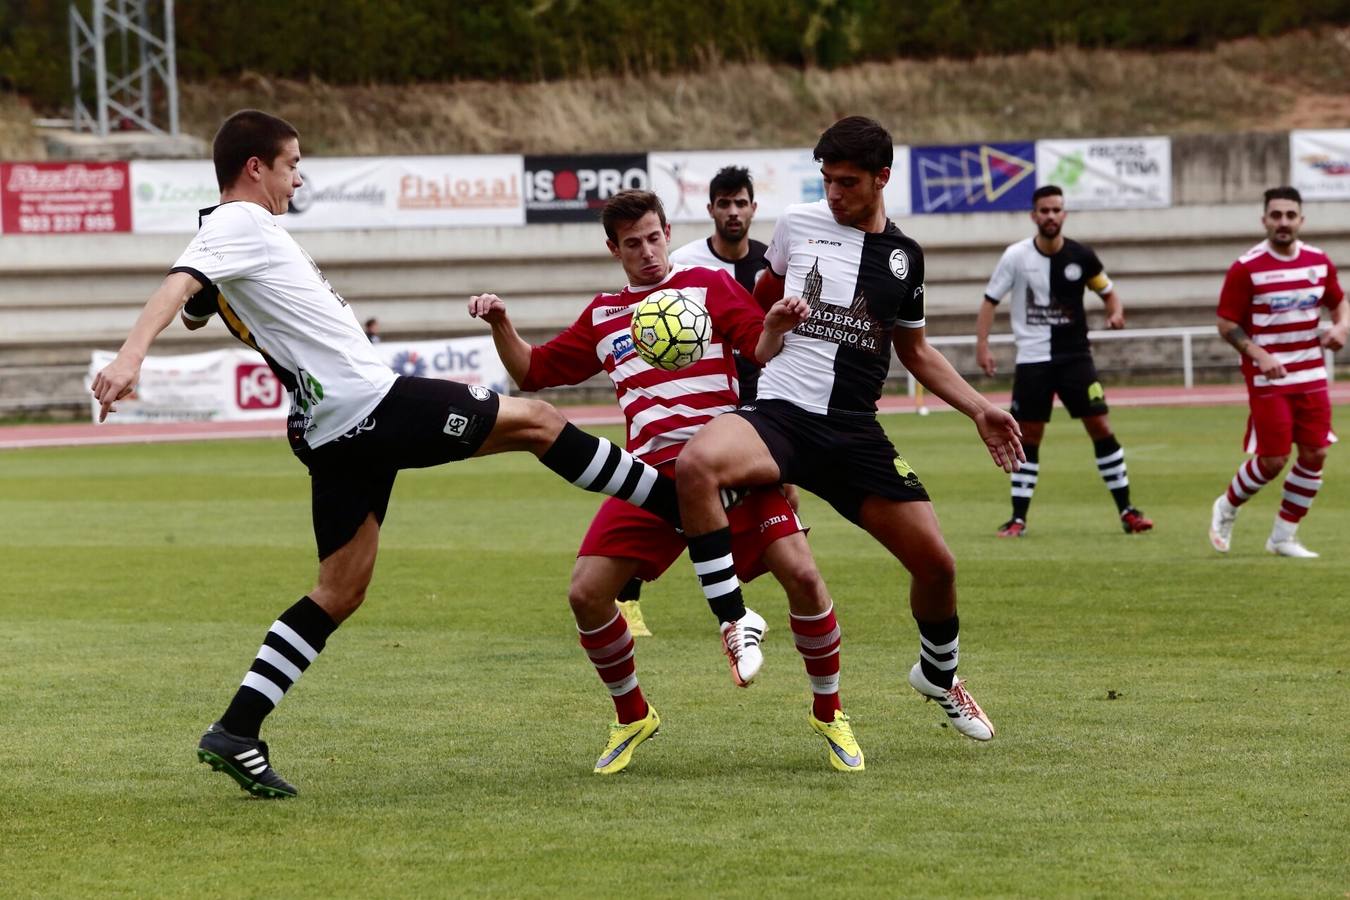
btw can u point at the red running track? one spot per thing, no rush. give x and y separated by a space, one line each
83 435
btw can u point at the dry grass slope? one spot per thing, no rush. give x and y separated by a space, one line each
1068 93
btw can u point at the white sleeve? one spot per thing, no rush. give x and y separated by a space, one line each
226 247
683 255
1002 280
780 245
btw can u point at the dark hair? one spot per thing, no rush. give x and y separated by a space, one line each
1046 190
857 140
729 181
1284 192
629 206
246 134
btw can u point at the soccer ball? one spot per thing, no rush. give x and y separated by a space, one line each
670 329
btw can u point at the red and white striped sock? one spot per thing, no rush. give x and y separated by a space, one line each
1300 487
817 638
610 648
1247 481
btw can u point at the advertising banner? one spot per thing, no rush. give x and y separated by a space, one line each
64 198
470 360
575 188
1108 173
963 178
166 195
218 386
781 177
1320 164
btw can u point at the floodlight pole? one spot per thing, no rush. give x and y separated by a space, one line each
129 94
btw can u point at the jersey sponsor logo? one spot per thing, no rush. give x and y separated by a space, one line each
851 326
478 392
771 521
899 264
1073 272
256 387
822 241
622 347
1290 302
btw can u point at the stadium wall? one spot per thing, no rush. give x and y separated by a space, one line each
63 296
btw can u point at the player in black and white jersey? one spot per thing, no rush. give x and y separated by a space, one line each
1047 275
815 423
353 422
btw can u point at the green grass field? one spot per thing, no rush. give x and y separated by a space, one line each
1171 722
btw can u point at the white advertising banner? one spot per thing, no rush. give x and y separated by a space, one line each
1320 164
408 192
218 386
341 193
236 385
781 177
166 195
1108 173
470 360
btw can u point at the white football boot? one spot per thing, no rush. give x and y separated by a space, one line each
1221 521
965 714
1290 547
740 641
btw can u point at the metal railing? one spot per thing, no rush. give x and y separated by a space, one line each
1187 335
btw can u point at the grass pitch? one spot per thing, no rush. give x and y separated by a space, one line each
1170 722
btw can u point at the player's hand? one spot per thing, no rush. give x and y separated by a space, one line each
1002 436
117 380
985 359
1270 367
1115 320
488 307
1335 337
786 314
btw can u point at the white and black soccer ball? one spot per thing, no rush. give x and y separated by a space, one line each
671 329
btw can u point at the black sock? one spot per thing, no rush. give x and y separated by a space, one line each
711 555
1111 466
1024 481
594 464
939 649
292 643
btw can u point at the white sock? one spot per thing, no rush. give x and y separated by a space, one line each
1284 530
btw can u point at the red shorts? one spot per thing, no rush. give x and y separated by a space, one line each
622 530
1278 421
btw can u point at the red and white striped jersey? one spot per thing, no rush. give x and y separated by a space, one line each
1278 301
663 409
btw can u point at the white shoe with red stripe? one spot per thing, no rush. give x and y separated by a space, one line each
1221 520
965 714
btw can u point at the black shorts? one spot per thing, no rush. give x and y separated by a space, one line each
421 422
841 459
1074 380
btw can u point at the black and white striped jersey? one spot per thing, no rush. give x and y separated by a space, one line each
745 270
1048 320
861 286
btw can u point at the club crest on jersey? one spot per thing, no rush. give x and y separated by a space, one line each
1073 272
899 264
622 347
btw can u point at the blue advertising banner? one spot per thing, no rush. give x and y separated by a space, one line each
962 178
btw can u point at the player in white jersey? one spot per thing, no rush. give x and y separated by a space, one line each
1047 276
815 423
353 422
663 409
1269 310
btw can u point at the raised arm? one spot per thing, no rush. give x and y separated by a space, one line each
511 347
119 377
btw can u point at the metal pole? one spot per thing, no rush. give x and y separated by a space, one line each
100 67
171 67
1186 364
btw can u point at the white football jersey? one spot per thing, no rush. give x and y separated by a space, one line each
861 286
274 299
745 270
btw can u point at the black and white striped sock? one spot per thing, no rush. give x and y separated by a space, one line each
1024 480
594 464
1111 466
292 643
939 650
711 555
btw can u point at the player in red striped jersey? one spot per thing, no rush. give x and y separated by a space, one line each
663 410
1269 310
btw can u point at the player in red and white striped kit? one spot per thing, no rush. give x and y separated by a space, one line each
663 410
1269 311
